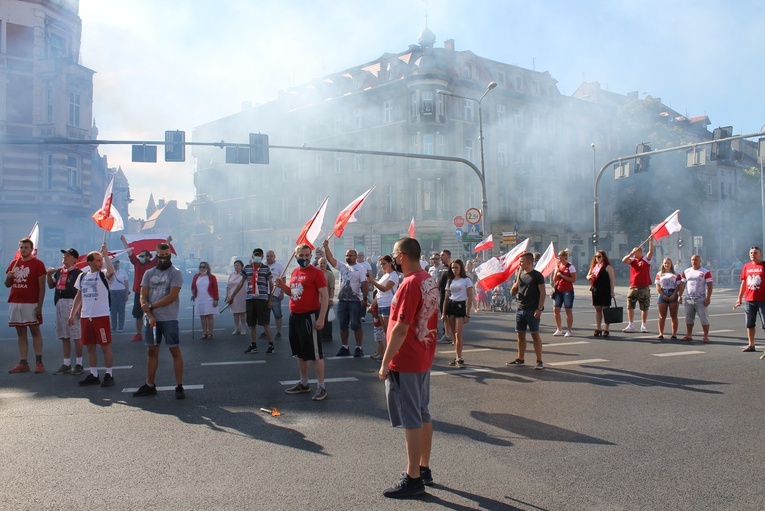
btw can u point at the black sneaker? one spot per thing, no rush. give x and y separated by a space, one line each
146 390
426 475
516 362
179 392
64 369
344 352
278 335
539 366
262 335
358 352
78 369
90 380
270 350
299 388
251 350
405 488
108 381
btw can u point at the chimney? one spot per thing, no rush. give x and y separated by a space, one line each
160 203
449 44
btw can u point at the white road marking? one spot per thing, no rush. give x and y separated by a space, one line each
468 370
167 387
10 395
474 350
326 380
572 343
720 331
234 363
101 368
576 362
679 353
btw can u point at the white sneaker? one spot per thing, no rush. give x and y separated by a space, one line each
629 328
558 333
643 329
445 340
567 334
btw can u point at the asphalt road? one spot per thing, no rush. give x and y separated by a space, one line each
627 423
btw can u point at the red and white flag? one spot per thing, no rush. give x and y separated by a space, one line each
348 214
149 242
34 236
82 261
667 227
108 218
312 228
548 261
486 244
411 228
497 270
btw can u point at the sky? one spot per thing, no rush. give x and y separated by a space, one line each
165 65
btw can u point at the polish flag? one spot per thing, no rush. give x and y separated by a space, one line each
312 228
497 270
411 228
348 214
141 242
546 263
667 227
485 244
106 217
34 236
82 261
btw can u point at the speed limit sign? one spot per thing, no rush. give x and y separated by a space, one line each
473 215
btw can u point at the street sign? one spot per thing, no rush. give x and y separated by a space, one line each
473 232
459 221
473 216
458 233
698 241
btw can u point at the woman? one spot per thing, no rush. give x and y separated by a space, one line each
386 288
601 277
204 294
235 300
457 302
326 333
668 285
563 279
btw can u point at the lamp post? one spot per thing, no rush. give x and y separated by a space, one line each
595 239
761 154
484 204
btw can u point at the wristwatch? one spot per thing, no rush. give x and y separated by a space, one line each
150 306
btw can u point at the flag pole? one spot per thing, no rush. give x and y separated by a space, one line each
646 241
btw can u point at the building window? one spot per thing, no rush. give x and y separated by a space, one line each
358 162
501 79
73 173
504 200
535 122
56 46
467 110
535 87
49 171
469 149
467 71
501 115
49 103
74 109
502 155
427 103
389 200
551 124
427 144
440 106
519 119
319 166
413 108
338 164
358 118
519 83
388 111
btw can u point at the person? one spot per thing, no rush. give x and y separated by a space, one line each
308 307
386 289
325 334
458 303
443 276
204 294
697 295
405 367
752 293
235 297
361 259
160 287
529 287
26 278
277 269
93 303
669 287
563 279
435 264
482 302
62 280
119 290
351 300
259 283
601 277
640 285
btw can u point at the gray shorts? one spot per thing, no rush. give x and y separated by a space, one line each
693 307
408 397
63 329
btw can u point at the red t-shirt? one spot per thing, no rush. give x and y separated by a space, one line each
140 269
563 285
753 274
640 272
416 304
304 285
26 286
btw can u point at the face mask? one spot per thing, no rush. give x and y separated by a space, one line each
164 263
142 259
256 259
303 262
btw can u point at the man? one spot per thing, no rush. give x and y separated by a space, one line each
406 364
697 284
435 264
119 290
160 287
277 269
529 289
326 333
308 306
351 300
752 292
640 285
442 278
26 278
259 284
62 280
370 273
93 300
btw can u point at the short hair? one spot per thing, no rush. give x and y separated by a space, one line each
526 255
258 251
302 246
240 262
411 247
148 253
27 240
388 259
92 255
163 246
447 252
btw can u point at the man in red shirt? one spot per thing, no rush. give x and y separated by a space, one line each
26 278
405 367
640 285
752 292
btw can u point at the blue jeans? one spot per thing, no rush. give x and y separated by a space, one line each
119 300
524 319
349 312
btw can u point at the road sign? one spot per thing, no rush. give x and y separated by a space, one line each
698 241
459 221
473 232
458 233
473 216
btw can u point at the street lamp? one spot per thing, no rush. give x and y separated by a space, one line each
484 205
761 154
595 213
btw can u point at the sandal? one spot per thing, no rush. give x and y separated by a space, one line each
749 348
674 337
606 334
661 337
597 333
690 339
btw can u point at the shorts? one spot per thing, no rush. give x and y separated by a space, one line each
276 307
564 298
23 314
641 295
257 312
137 311
304 338
662 299
383 311
524 319
167 330
695 306
456 308
96 331
752 309
408 396
63 329
349 313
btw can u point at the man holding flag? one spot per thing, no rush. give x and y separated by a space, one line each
640 285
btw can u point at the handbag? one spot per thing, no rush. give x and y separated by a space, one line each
331 314
613 314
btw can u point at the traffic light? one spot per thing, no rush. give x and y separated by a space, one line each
595 239
175 146
642 162
721 150
258 148
679 243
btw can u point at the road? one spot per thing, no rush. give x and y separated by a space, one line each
627 423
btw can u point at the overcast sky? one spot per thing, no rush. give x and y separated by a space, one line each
167 64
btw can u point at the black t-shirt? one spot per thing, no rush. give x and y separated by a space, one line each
528 289
442 277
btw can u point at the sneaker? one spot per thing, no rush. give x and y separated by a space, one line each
64 369
278 335
405 488
643 329
120 329
358 352
262 335
78 369
445 340
270 350
321 394
137 338
108 381
343 352
426 475
516 362
299 388
539 366
363 319
251 350
457 362
21 368
39 368
567 334
90 380
179 392
558 332
629 328
146 390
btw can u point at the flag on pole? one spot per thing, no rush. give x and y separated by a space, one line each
148 242
34 236
106 217
486 244
411 228
312 228
497 270
546 263
667 227
348 214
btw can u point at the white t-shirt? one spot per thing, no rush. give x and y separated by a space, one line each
351 278
95 295
367 267
118 280
384 298
458 289
276 271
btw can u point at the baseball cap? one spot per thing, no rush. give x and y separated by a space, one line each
71 252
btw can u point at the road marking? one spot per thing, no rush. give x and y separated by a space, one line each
474 350
326 380
679 353
9 395
167 387
720 331
576 362
566 343
726 314
100 368
469 370
349 357
233 363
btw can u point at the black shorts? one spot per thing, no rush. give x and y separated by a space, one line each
304 338
137 312
257 312
456 308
